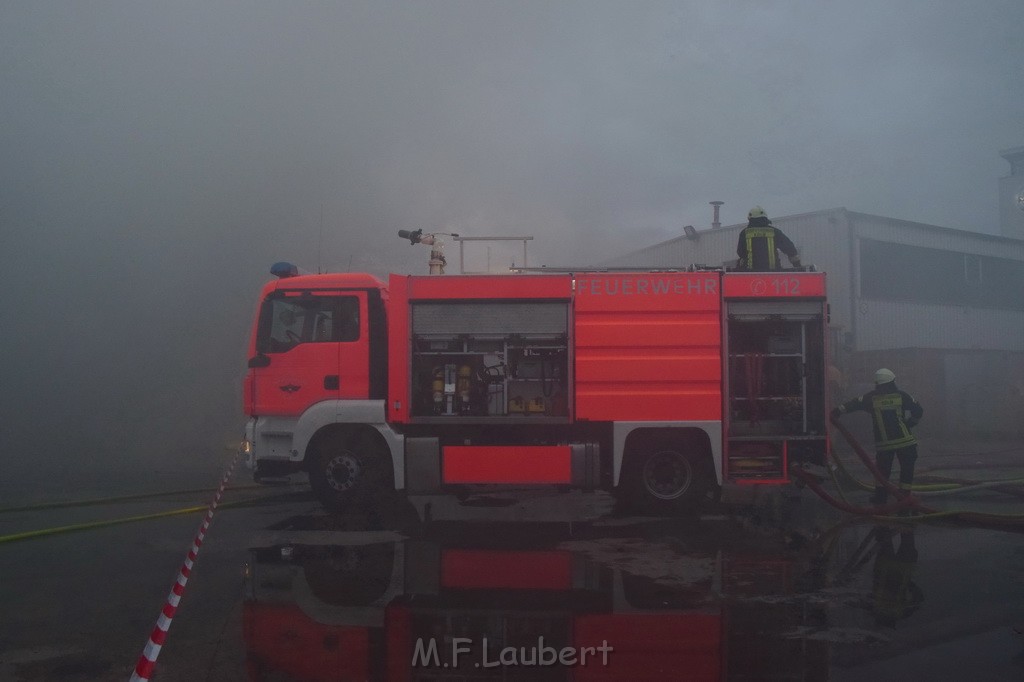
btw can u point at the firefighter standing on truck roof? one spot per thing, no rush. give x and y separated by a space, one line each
893 413
760 240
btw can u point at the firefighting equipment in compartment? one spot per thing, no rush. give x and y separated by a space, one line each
884 376
756 212
545 371
754 371
536 406
464 386
492 383
444 381
437 387
516 405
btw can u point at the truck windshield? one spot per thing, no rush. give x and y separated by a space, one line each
289 320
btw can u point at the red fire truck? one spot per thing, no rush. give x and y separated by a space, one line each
661 386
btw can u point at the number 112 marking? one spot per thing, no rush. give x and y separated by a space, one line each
786 286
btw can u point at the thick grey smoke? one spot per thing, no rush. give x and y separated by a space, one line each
156 158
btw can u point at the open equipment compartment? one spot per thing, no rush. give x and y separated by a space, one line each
775 382
493 360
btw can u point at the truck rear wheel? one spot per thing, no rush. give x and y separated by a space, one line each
666 481
350 472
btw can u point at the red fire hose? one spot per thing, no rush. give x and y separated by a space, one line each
904 500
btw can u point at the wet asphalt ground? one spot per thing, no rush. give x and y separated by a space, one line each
786 589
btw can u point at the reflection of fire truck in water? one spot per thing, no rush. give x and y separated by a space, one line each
661 386
423 610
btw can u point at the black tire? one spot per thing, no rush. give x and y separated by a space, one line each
667 481
351 472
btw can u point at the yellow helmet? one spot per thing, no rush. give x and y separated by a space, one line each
756 212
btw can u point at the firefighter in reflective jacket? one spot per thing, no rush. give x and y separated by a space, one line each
759 243
893 414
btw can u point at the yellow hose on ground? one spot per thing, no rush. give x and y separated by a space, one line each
28 535
120 498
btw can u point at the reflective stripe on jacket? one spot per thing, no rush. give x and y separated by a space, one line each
758 246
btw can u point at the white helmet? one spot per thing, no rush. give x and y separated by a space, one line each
884 376
756 212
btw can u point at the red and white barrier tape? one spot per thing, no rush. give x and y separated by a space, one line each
147 661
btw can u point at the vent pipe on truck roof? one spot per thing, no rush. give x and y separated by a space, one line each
715 222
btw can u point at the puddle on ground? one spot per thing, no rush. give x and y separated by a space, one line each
634 599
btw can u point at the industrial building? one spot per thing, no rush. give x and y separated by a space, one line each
942 307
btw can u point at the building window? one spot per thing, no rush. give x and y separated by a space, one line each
900 272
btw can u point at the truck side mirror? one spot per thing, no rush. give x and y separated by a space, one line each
259 360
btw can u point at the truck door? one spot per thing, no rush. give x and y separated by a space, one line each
310 346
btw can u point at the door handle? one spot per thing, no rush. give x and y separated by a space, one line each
289 388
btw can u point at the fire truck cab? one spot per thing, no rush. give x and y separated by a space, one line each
659 386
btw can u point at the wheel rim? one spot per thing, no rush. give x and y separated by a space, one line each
342 472
667 475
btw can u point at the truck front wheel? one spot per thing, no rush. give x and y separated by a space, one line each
350 472
666 481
